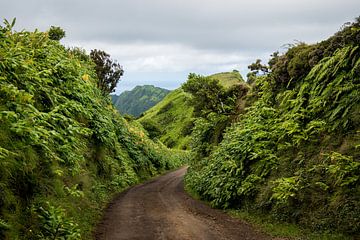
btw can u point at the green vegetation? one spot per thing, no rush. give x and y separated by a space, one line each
293 153
172 120
280 150
215 107
277 228
228 79
139 99
64 149
56 33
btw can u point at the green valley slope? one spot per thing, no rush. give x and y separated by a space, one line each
139 99
171 120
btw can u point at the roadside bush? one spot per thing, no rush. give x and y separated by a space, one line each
294 152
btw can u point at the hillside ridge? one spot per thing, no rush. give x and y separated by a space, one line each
136 101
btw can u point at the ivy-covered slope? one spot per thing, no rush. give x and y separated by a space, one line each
139 99
64 149
294 153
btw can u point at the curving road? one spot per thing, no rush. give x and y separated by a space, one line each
160 209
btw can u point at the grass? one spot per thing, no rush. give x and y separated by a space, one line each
172 114
276 229
282 229
228 79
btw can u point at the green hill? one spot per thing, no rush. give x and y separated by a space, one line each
228 79
172 120
139 99
293 154
64 149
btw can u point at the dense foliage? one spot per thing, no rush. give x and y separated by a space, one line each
56 33
215 108
64 149
173 119
139 99
294 153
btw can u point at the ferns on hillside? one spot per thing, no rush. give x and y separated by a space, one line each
294 153
62 141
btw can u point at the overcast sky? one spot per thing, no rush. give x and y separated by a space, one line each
160 42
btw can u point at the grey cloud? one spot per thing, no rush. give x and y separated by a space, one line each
216 29
209 24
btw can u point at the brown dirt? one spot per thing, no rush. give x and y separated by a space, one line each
160 209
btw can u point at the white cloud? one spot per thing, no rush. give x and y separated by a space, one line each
166 39
148 57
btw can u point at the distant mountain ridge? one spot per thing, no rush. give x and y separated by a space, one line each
139 99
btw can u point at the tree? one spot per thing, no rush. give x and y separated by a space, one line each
107 70
257 67
56 33
207 94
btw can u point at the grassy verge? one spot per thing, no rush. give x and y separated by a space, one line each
276 229
282 229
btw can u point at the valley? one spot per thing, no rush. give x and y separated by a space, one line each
280 147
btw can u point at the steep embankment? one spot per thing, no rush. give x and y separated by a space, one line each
139 99
295 153
172 120
64 149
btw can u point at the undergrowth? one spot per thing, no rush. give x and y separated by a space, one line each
293 154
64 149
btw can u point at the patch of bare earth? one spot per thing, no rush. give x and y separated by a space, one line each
160 209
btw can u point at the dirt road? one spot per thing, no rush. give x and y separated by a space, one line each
160 209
